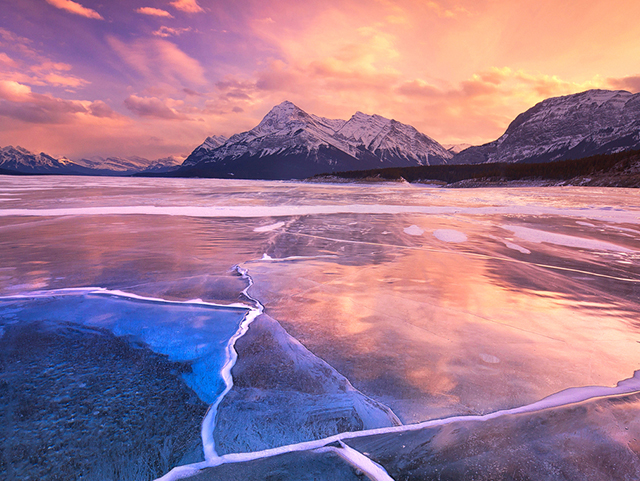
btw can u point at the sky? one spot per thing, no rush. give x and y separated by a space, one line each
154 78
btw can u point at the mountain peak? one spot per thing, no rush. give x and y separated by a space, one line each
285 107
283 116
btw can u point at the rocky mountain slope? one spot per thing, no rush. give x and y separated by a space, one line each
569 127
290 143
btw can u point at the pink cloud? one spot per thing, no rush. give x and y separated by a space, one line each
14 91
23 105
16 43
159 60
7 61
64 80
74 7
170 32
188 6
154 12
631 83
101 109
151 107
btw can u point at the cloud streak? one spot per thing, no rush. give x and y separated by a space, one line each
76 8
165 31
159 60
154 12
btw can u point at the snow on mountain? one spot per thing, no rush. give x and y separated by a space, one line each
165 164
294 144
456 148
214 141
392 141
115 164
568 127
21 160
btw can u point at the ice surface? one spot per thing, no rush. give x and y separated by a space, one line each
432 330
195 333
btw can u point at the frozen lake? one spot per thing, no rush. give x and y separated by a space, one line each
395 304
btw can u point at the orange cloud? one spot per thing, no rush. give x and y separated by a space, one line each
154 12
188 6
76 8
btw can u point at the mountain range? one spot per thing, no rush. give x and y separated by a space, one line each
20 160
290 143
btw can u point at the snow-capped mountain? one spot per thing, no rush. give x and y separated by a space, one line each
122 165
290 143
204 150
456 148
21 160
569 127
166 164
130 165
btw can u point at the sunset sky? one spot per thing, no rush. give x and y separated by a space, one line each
155 77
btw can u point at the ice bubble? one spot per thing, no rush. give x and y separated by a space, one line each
449 235
413 230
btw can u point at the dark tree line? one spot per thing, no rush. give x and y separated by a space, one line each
558 170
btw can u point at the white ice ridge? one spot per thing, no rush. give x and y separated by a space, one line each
74 291
563 398
267 258
209 421
243 211
370 468
231 356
